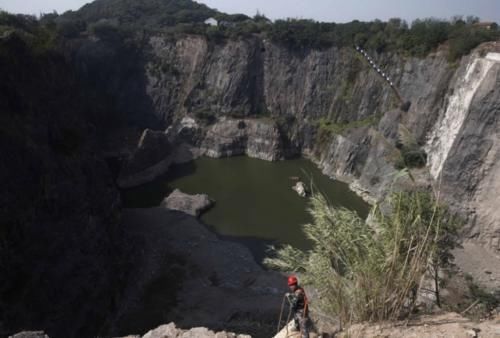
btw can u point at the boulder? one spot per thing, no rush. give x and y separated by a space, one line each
300 188
164 331
171 331
192 205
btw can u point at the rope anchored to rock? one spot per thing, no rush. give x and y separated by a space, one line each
405 105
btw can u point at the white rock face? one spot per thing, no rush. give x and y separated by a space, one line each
189 122
493 57
446 130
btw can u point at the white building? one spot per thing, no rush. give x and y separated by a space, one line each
211 22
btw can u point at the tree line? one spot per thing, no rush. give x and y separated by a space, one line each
177 18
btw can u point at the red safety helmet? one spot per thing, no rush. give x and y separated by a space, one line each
292 280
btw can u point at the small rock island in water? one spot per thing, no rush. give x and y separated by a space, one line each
300 188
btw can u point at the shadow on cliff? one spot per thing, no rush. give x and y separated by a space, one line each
114 70
151 194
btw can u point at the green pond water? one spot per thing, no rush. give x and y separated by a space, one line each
255 202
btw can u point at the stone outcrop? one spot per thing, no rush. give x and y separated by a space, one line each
254 138
171 331
192 205
300 188
150 160
163 331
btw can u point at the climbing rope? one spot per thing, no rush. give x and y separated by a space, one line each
405 105
281 315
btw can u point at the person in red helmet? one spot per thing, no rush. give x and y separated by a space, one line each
298 302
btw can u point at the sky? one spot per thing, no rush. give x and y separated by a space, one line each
320 10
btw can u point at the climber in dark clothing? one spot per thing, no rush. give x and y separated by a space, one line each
298 302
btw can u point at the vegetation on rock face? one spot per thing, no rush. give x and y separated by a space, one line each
329 127
370 273
411 153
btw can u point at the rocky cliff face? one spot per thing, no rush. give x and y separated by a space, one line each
466 161
453 113
248 96
61 245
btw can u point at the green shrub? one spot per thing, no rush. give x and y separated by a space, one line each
464 39
365 273
330 127
411 153
71 28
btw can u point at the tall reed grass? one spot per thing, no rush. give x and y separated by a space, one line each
368 272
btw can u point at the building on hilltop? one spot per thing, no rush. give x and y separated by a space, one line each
211 22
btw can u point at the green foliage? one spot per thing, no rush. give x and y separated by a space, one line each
39 38
395 35
464 38
411 158
328 126
188 17
108 30
301 33
144 14
411 154
71 28
18 21
363 272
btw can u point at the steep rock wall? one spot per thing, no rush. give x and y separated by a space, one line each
61 253
298 89
470 172
301 89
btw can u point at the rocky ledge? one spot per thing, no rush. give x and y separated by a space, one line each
192 205
164 331
171 331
